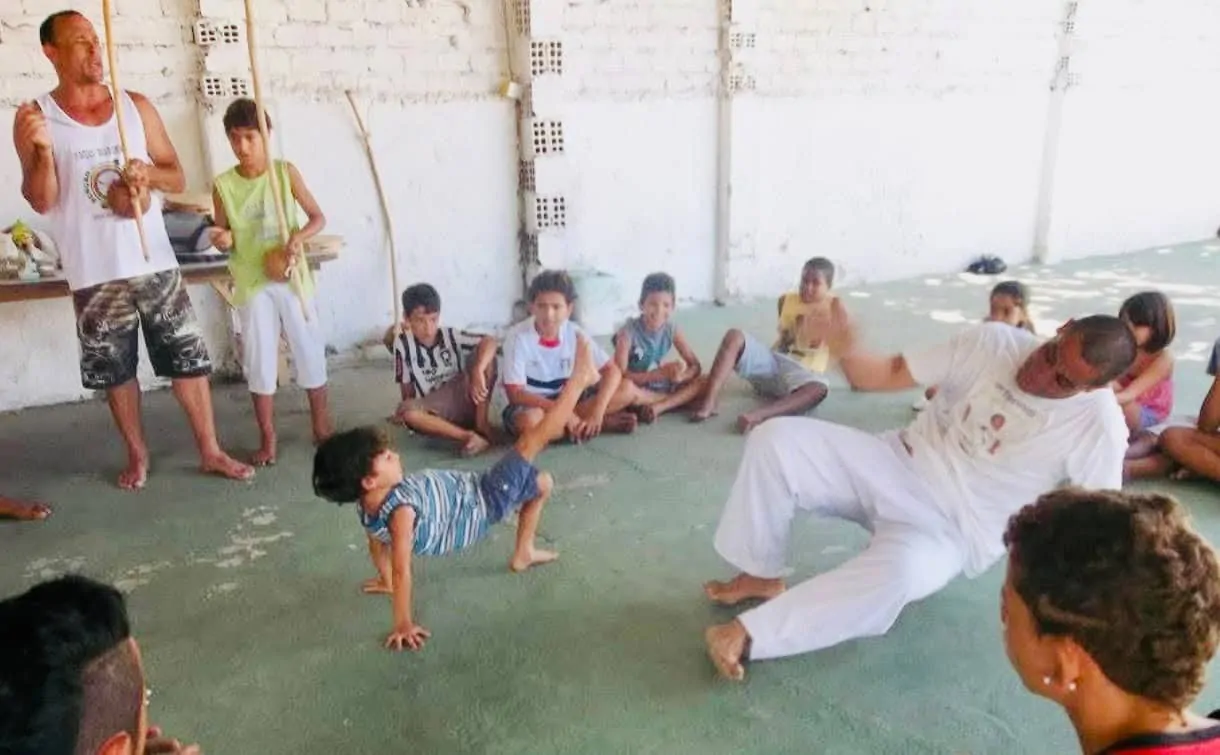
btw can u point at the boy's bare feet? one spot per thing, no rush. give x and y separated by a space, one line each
135 475
265 456
375 586
623 423
726 644
23 510
704 410
647 413
475 445
532 557
743 587
584 370
226 466
747 422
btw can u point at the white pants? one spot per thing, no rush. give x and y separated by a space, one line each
275 305
795 464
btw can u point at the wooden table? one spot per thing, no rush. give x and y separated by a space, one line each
205 272
325 249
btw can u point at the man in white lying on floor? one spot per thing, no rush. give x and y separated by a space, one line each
1015 417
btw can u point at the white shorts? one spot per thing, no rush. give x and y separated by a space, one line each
772 374
273 307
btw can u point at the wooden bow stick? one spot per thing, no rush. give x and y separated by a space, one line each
385 207
276 190
116 96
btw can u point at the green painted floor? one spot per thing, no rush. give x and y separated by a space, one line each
246 597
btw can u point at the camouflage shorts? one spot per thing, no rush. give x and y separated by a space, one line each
110 315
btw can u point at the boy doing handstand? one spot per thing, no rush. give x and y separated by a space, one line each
434 512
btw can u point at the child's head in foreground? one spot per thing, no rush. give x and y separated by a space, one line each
1110 593
241 127
1009 302
421 312
657 300
817 278
551 295
349 464
1150 315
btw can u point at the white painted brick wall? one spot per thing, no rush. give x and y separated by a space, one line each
388 49
455 49
151 37
1144 45
619 49
392 49
929 47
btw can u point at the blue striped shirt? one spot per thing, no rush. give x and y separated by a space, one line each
450 512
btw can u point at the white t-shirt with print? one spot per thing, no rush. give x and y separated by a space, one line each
543 369
426 368
989 448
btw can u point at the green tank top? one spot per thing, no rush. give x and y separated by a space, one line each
249 205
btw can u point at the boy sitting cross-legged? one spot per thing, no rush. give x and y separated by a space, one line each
435 512
645 341
538 360
792 372
444 374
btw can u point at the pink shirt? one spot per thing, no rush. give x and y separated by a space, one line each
1158 399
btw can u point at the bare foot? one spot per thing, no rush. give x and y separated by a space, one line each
703 412
475 445
647 413
584 369
623 423
265 456
135 475
226 466
746 422
726 644
743 587
533 557
375 586
23 510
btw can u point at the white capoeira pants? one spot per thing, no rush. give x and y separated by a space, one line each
273 306
795 464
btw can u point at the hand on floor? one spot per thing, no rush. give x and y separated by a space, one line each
411 636
159 744
375 586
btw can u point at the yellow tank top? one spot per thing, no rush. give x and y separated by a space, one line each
791 316
250 207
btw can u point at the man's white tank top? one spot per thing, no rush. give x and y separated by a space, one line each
94 244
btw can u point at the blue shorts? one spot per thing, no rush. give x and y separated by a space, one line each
1149 418
508 485
661 386
509 415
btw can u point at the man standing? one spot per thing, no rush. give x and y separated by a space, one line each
1013 419
68 144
